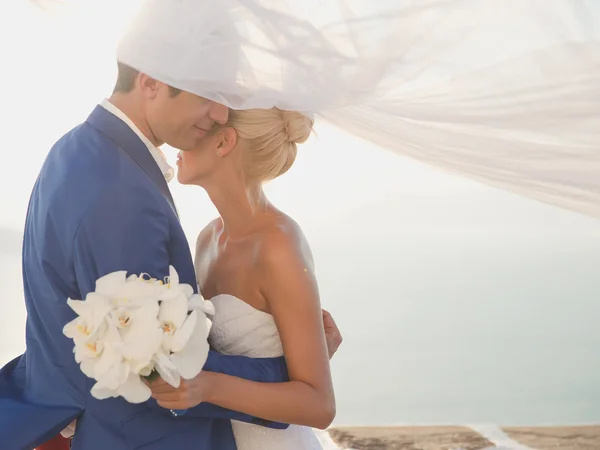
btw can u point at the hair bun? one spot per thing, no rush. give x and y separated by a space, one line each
298 126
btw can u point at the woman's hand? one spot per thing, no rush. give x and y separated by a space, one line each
190 393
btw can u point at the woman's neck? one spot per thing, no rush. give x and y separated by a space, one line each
241 211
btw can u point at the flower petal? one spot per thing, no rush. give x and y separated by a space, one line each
144 335
173 311
138 292
70 329
168 293
109 284
182 335
197 302
92 313
134 390
88 367
190 360
167 342
167 370
145 370
145 314
111 369
101 393
87 350
186 290
99 333
79 306
173 276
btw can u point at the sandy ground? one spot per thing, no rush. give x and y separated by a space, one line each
449 438
408 438
557 438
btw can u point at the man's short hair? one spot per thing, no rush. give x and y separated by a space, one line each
126 77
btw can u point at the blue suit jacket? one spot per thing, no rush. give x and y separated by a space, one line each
101 204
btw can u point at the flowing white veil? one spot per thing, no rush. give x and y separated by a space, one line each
503 91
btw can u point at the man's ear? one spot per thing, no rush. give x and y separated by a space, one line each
148 85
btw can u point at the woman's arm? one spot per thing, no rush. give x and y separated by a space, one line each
289 286
290 289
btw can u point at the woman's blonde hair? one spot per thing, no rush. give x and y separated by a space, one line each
271 136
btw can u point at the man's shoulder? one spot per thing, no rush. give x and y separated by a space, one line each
84 167
84 149
86 161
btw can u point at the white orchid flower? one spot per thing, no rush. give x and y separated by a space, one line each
176 324
110 368
85 351
173 315
141 335
90 321
117 370
126 353
180 327
88 330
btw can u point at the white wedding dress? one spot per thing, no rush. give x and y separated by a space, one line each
240 329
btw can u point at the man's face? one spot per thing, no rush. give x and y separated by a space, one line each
182 120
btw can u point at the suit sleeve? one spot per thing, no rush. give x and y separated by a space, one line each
123 230
264 370
126 229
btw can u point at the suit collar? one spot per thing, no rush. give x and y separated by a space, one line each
154 151
118 131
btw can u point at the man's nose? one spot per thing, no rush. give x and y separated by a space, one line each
219 113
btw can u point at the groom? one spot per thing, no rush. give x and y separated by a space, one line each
101 204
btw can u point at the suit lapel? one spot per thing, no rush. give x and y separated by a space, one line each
118 131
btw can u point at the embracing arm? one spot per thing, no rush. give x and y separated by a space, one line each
259 370
126 229
307 399
292 295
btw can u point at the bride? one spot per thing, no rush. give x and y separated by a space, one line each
256 266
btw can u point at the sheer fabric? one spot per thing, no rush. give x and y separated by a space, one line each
503 91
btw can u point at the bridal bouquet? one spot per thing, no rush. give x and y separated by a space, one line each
139 327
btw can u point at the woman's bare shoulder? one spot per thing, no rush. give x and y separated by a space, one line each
283 240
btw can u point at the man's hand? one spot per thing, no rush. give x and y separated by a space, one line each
332 334
190 393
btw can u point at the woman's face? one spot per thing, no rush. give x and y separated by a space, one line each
217 152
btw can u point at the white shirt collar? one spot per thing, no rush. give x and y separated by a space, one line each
158 156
